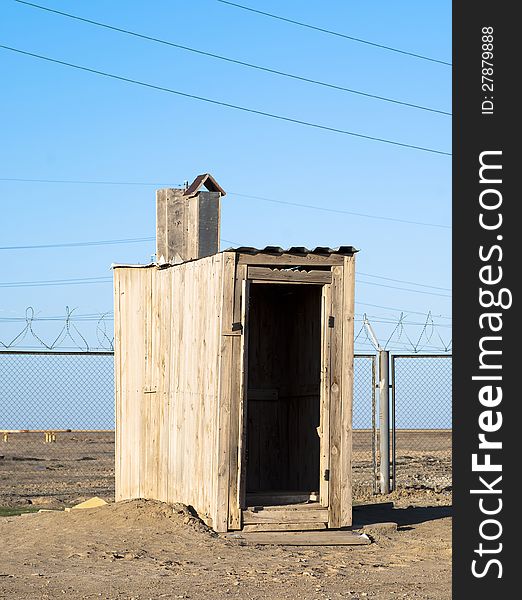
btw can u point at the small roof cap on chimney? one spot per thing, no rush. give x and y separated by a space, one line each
205 180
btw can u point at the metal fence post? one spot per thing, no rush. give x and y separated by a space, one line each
384 420
393 429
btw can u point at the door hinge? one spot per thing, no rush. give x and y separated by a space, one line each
326 475
331 321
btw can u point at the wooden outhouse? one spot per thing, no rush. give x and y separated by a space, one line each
234 374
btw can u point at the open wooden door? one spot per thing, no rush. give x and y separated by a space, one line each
324 427
243 415
284 448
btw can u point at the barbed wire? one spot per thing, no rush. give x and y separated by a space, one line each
69 333
405 335
400 334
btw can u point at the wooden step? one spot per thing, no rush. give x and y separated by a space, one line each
300 538
275 498
298 506
303 515
283 527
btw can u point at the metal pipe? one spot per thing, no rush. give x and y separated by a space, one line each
375 476
384 420
393 428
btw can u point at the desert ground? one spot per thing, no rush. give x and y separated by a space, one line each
145 550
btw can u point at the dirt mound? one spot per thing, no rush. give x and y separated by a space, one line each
132 514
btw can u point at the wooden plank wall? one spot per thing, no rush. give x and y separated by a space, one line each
179 387
347 390
168 339
194 351
186 228
237 301
341 394
336 372
130 317
225 394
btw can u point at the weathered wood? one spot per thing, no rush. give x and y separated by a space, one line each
171 224
297 506
279 275
307 538
167 409
285 516
324 426
176 398
289 260
347 391
284 282
236 421
117 385
225 395
164 320
208 223
187 347
162 253
187 228
302 526
266 499
146 417
243 404
336 371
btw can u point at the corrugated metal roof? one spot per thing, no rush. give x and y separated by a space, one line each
300 250
296 250
132 266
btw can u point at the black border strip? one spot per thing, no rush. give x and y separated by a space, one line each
484 120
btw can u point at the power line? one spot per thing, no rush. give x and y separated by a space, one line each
91 243
403 281
237 244
393 287
52 282
78 244
402 310
336 33
339 211
90 280
80 182
298 204
148 239
232 60
310 206
107 316
226 104
388 321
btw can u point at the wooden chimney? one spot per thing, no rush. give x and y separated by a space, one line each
188 221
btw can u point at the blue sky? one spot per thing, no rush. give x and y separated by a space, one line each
61 124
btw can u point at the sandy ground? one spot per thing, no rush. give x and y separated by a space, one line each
81 464
145 550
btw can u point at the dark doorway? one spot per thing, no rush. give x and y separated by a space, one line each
283 401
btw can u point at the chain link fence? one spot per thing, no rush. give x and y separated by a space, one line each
56 427
421 413
364 458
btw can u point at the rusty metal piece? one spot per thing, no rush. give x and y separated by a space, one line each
205 180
